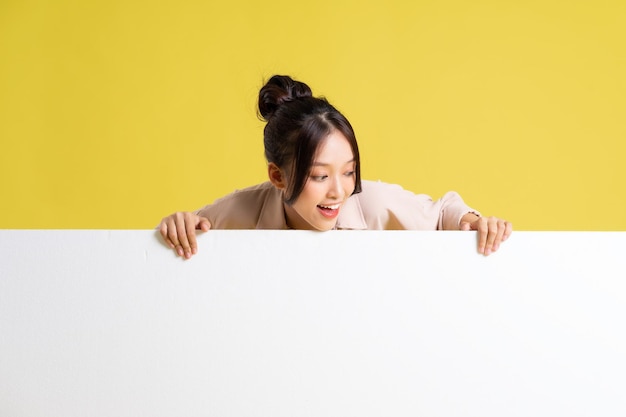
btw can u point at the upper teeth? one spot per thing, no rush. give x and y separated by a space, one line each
333 207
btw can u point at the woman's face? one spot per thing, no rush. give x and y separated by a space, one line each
331 182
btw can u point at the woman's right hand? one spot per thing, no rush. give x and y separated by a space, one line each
179 232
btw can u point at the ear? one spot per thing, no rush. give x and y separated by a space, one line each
277 178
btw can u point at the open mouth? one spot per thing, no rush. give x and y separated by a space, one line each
330 211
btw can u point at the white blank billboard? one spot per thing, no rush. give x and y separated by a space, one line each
294 323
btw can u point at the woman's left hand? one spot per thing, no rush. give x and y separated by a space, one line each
492 231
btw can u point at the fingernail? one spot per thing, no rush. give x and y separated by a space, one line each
179 250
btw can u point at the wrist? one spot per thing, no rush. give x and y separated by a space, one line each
469 218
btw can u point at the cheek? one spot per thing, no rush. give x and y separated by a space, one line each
349 184
308 197
312 191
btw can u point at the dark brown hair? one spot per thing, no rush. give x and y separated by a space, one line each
297 124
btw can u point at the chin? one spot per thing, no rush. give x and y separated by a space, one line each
325 227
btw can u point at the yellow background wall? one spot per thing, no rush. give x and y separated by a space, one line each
115 113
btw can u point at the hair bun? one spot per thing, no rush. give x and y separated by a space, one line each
278 90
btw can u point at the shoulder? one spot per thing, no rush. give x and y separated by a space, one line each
248 194
240 209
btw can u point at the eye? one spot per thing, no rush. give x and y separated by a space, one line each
349 174
319 178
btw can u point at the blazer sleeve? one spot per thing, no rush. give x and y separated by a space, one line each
390 207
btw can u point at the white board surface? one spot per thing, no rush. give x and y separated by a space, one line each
293 323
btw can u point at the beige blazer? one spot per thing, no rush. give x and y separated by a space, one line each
380 206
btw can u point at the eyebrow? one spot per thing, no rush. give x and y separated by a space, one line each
323 164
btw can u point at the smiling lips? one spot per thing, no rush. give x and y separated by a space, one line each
330 211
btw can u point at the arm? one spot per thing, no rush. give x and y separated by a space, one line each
389 206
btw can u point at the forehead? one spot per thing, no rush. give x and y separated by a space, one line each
334 149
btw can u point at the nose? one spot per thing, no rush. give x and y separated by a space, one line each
335 189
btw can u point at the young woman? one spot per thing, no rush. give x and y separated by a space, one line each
315 183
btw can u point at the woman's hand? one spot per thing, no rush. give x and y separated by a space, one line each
179 232
491 231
